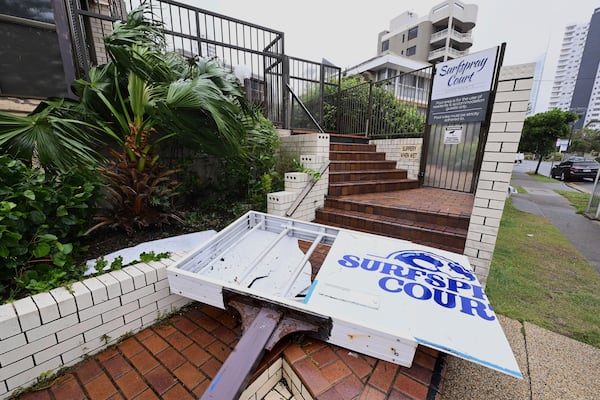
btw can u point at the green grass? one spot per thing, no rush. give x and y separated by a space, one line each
539 277
540 178
577 199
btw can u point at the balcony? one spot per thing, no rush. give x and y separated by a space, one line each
463 38
450 52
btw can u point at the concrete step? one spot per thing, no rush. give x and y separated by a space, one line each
378 186
337 166
356 156
346 176
445 238
440 220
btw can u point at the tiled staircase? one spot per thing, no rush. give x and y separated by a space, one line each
367 193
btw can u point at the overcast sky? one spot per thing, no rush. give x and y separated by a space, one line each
345 33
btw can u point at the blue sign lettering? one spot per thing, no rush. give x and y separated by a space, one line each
426 276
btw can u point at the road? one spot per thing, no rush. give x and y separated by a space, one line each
542 199
528 165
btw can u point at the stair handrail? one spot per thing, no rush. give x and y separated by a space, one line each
306 111
306 191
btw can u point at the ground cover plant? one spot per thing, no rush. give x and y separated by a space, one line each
118 138
538 276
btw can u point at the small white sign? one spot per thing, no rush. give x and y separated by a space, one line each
453 135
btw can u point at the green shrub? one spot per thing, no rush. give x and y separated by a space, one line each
41 218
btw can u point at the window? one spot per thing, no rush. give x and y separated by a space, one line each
411 51
385 45
413 32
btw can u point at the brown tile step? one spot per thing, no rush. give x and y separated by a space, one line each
352 147
378 186
356 156
354 176
336 166
444 221
422 233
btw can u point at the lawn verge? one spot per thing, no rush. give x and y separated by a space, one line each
538 276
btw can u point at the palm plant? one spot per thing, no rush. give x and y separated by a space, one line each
142 97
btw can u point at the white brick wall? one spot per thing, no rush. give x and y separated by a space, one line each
49 331
504 134
406 152
312 151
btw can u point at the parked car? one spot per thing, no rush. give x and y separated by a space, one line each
575 168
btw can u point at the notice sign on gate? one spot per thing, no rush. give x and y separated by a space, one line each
461 88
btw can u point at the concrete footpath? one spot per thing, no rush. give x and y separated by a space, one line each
553 366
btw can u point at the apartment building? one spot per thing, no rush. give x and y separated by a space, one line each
444 34
577 79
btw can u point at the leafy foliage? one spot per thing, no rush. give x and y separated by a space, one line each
388 115
540 131
41 219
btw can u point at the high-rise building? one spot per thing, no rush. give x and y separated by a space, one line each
444 34
577 80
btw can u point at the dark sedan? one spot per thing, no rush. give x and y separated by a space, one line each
575 169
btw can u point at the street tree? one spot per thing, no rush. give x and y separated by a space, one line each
540 132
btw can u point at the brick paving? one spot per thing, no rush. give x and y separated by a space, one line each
178 357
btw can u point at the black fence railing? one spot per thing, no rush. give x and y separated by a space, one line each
392 107
388 108
254 53
310 81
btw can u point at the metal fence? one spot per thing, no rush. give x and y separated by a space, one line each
254 53
392 107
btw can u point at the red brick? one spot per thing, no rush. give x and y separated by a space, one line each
424 360
219 350
184 325
100 388
160 379
177 392
370 393
147 395
41 395
311 376
349 388
202 320
335 372
144 362
116 366
130 347
226 335
189 375
155 344
202 337
67 388
418 373
211 367
142 335
106 354
178 340
164 330
294 353
356 362
324 356
196 355
131 384
201 388
411 387
396 395
88 371
170 358
383 376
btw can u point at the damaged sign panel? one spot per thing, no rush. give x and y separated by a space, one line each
383 296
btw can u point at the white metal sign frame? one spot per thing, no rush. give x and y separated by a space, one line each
384 296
